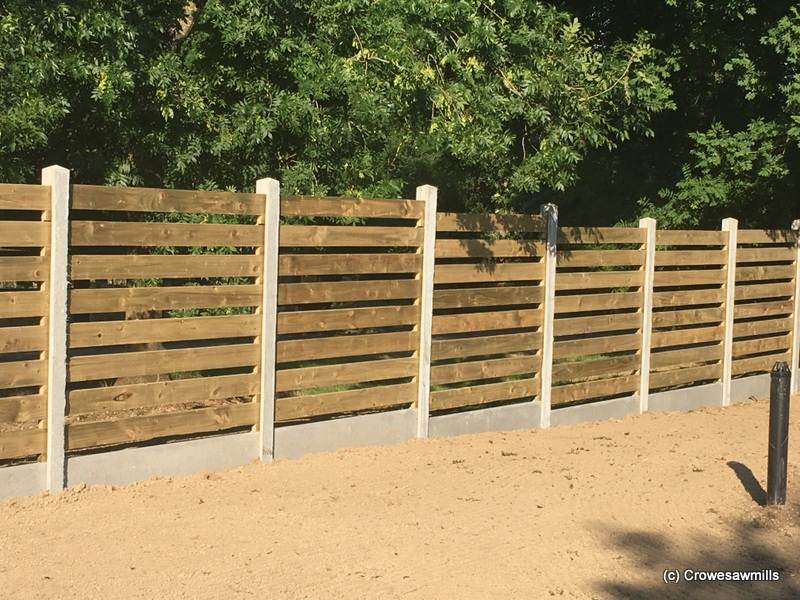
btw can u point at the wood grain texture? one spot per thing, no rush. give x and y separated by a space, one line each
481 273
598 280
23 373
348 264
751 255
487 321
599 345
24 268
478 297
743 348
19 409
696 335
346 318
24 234
353 372
574 392
764 273
25 442
597 323
694 277
120 233
665 258
685 375
763 309
471 248
347 291
494 223
601 235
767 236
17 196
301 407
764 290
601 258
346 345
766 327
689 316
602 367
687 298
319 206
686 356
484 369
486 345
757 364
576 303
143 266
23 339
15 304
318 236
162 298
476 395
690 237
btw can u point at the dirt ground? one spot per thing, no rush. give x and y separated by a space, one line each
597 510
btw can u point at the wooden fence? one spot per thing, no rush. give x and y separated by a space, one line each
170 315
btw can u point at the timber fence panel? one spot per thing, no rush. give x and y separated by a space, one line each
488 311
598 322
164 331
25 213
348 320
688 308
764 310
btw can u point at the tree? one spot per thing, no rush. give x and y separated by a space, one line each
493 101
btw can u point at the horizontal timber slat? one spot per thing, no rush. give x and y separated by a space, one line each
484 394
749 255
486 321
23 339
764 290
470 248
486 345
146 266
109 333
24 442
156 362
765 236
95 197
601 235
348 264
763 309
575 303
120 233
596 323
484 369
346 345
770 344
17 196
687 297
601 345
351 207
495 223
348 235
685 375
25 234
762 273
680 337
767 327
347 291
346 318
19 409
698 277
301 407
675 258
353 372
138 429
23 373
15 304
608 367
758 363
163 298
24 268
143 395
688 237
601 258
598 279
497 296
690 316
574 392
686 357
484 273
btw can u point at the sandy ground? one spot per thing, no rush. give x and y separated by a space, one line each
596 510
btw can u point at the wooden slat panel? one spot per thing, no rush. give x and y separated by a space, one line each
591 302
27 234
601 235
763 309
484 369
766 327
483 394
764 290
120 233
690 316
141 266
697 335
346 235
489 248
685 375
109 333
348 264
763 273
23 373
484 273
745 347
163 298
585 347
156 362
354 372
598 279
603 367
498 296
14 303
601 258
689 237
765 236
699 277
759 363
143 395
26 442
489 222
16 196
24 268
137 429
746 255
19 409
346 345
486 345
346 318
574 392
351 207
597 323
23 339
666 258
347 291
95 197
688 356
687 297
301 407
486 321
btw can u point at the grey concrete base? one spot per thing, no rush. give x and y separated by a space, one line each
121 467
293 441
496 418
23 480
596 411
686 398
756 386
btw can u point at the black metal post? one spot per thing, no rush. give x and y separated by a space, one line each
778 433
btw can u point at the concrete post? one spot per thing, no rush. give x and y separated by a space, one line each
427 194
732 227
58 179
269 315
649 225
550 213
795 364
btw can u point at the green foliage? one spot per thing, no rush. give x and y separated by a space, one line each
492 101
